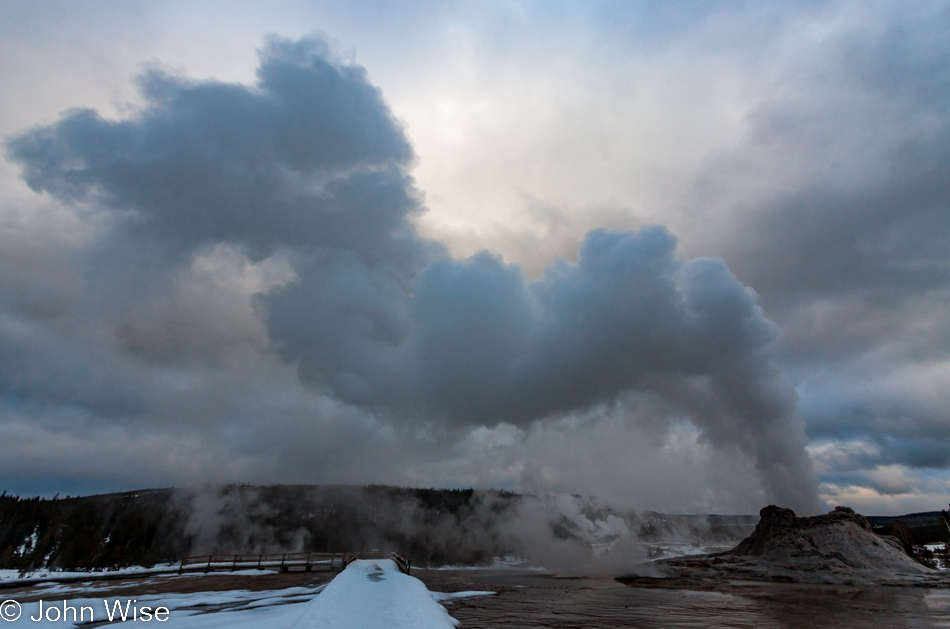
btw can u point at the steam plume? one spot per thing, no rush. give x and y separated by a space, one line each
310 164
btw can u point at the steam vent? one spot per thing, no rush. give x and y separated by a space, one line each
837 548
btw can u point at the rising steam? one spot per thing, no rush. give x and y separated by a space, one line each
310 165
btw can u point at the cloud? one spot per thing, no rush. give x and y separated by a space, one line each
313 143
236 224
890 488
860 294
833 206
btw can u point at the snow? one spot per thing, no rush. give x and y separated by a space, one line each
500 563
940 559
53 575
161 570
451 596
369 593
240 609
374 593
29 543
668 550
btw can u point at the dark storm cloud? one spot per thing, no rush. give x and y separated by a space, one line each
871 216
850 254
885 240
309 164
903 428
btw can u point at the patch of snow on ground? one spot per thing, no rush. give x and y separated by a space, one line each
53 575
500 563
374 593
448 597
667 550
240 609
160 570
941 557
28 544
369 593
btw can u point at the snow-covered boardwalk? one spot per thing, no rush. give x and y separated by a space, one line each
373 593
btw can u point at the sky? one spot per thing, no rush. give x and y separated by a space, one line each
682 256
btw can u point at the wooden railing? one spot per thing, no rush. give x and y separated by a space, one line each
401 562
285 562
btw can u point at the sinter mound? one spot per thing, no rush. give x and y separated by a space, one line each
837 547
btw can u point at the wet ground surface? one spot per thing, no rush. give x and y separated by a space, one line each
530 600
540 601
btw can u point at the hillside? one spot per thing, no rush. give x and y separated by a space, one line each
163 525
431 526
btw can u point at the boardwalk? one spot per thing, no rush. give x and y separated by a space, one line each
375 593
285 562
